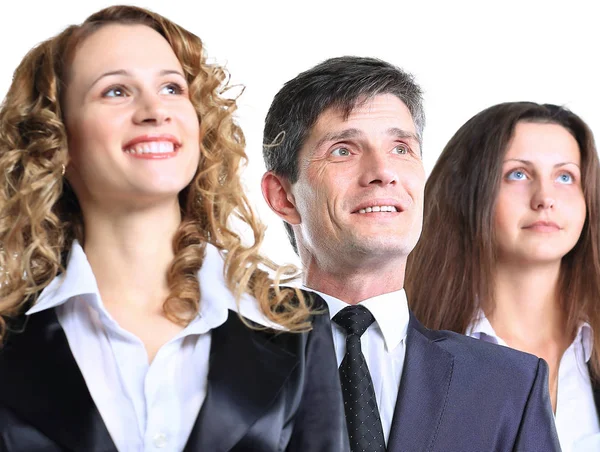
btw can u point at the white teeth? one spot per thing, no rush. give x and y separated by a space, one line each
152 147
378 209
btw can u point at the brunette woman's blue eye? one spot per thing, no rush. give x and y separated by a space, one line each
565 178
516 175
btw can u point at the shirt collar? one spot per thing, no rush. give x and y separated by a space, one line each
77 280
214 290
216 299
390 311
481 328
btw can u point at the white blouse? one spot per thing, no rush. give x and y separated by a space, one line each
145 406
576 416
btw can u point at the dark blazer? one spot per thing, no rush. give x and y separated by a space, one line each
266 392
459 394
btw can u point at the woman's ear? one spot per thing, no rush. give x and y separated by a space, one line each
277 191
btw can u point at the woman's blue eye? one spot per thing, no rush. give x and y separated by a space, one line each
516 175
340 152
565 178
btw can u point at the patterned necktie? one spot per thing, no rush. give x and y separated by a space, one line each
362 414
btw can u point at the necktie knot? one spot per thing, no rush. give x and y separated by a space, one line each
354 319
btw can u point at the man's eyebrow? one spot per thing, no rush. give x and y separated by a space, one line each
128 74
345 134
401 133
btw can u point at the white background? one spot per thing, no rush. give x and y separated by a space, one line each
466 55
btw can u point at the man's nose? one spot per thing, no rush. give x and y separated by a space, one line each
377 171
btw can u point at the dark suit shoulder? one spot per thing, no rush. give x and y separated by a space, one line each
484 359
490 397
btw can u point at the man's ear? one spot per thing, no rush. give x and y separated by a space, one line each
277 192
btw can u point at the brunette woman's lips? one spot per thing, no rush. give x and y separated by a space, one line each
152 147
543 226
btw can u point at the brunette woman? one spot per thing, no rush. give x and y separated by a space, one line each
510 251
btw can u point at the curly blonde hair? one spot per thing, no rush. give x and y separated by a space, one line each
39 212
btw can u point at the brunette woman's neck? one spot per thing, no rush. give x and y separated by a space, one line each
527 314
526 301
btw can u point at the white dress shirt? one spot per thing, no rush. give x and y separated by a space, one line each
576 417
145 407
383 344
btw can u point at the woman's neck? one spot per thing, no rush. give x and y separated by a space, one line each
130 253
527 315
526 306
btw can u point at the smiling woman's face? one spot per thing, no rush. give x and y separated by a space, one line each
133 131
540 210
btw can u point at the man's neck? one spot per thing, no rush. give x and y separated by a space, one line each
355 284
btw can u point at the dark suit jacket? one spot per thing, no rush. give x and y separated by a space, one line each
459 394
266 392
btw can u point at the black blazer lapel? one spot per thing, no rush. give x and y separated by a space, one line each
246 373
41 383
423 392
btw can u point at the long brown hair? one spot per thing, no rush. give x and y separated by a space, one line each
452 266
40 215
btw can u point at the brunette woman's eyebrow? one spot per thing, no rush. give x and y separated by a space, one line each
566 163
527 162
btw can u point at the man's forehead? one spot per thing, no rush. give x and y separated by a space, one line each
383 106
390 117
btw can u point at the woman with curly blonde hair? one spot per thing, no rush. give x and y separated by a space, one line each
132 316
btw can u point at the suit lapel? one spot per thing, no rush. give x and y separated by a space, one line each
423 391
247 371
41 383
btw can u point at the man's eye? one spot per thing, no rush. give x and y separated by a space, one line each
340 152
401 149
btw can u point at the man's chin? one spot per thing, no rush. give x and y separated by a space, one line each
380 245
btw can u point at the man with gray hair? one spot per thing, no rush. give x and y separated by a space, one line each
344 171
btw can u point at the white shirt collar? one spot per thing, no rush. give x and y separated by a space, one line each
390 311
216 298
481 328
